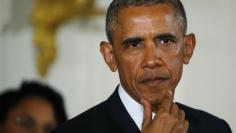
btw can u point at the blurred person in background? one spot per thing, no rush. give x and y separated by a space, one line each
33 108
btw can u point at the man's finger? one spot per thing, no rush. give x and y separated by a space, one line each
147 115
174 111
181 116
166 103
186 126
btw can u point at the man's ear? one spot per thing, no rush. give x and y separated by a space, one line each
106 50
189 42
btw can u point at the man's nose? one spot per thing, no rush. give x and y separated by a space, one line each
152 57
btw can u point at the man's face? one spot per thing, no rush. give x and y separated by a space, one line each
149 49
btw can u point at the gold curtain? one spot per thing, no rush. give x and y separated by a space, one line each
47 16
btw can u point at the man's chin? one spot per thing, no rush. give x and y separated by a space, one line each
155 105
155 102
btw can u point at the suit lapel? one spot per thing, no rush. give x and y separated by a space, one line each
121 121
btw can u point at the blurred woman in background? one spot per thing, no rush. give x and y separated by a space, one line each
33 108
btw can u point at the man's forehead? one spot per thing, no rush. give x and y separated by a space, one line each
135 10
141 13
138 13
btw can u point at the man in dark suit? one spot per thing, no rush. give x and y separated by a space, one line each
148 45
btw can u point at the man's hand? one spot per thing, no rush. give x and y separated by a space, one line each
169 118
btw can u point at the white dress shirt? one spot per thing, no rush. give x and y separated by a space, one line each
134 109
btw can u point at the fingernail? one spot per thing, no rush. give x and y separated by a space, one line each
170 93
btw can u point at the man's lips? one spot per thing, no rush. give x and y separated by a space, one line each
154 81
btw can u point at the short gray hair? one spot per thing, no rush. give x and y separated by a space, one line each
117 5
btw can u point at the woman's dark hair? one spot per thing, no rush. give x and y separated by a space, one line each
10 98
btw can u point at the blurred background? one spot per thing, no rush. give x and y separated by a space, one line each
57 42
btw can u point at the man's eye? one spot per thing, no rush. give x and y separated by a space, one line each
165 41
133 44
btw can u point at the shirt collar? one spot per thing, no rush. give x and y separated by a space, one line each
134 109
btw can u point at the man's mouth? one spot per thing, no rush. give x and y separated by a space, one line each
154 80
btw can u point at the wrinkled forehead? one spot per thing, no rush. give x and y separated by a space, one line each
158 8
161 12
120 8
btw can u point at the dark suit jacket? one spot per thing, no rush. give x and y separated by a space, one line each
111 116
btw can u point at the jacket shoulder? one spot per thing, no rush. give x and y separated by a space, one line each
204 122
94 119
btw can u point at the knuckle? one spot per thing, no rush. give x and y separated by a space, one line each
179 128
186 124
161 111
182 112
163 115
175 120
172 121
175 106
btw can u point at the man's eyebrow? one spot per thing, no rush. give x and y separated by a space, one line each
166 36
132 40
